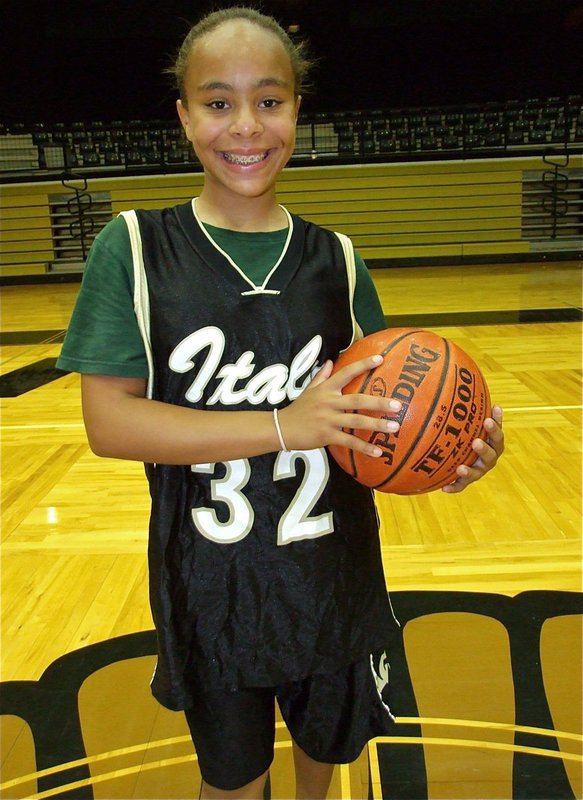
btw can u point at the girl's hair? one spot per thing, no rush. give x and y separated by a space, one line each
301 63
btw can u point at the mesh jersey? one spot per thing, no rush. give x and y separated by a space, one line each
266 569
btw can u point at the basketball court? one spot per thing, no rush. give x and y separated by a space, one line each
486 584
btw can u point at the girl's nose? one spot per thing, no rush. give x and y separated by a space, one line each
246 122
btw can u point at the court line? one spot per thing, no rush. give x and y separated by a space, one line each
543 408
502 726
110 754
345 780
480 744
167 762
120 773
159 743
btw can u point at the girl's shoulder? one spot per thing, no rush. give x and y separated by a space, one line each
114 236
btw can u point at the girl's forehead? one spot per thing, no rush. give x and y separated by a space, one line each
236 43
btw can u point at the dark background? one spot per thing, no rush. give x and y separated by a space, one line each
99 60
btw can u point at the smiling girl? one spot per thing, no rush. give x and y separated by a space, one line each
205 335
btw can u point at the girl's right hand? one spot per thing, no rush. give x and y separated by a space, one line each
321 415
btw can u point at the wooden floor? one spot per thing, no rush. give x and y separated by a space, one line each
74 527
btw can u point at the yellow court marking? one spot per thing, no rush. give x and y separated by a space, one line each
479 744
80 762
502 726
374 769
110 754
345 780
542 408
119 773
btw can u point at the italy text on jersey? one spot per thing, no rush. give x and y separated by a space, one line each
273 384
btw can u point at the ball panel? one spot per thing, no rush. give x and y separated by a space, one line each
444 403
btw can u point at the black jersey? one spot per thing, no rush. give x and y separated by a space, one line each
264 569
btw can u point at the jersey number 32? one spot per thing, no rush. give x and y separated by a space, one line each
295 522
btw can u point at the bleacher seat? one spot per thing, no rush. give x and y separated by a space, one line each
492 130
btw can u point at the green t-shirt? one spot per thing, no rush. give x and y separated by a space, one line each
103 336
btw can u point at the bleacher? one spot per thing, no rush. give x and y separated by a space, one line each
410 185
494 130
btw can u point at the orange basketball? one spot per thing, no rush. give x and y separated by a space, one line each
445 402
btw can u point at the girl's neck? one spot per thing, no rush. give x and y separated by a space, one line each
257 214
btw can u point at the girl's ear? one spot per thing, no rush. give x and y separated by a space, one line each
184 118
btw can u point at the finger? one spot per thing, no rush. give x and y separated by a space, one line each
350 371
487 455
322 375
495 435
456 487
342 439
363 422
465 476
367 403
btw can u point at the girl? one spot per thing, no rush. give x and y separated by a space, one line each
206 335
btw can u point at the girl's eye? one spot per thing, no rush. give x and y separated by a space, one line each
270 102
218 105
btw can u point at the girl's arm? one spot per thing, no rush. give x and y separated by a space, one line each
122 423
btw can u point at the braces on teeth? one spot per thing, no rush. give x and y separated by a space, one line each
244 159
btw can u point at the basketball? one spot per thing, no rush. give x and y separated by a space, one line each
445 401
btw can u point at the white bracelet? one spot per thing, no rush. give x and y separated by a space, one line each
279 433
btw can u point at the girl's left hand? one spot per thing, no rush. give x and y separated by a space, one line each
488 451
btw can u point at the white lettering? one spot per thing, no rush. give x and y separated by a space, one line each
230 374
181 358
273 383
302 364
269 385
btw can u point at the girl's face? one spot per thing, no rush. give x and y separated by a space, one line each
242 110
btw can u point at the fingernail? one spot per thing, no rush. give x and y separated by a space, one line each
391 425
377 452
395 405
377 359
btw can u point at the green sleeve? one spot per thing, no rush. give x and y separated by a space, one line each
103 337
367 306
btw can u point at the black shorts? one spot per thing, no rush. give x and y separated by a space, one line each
331 717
